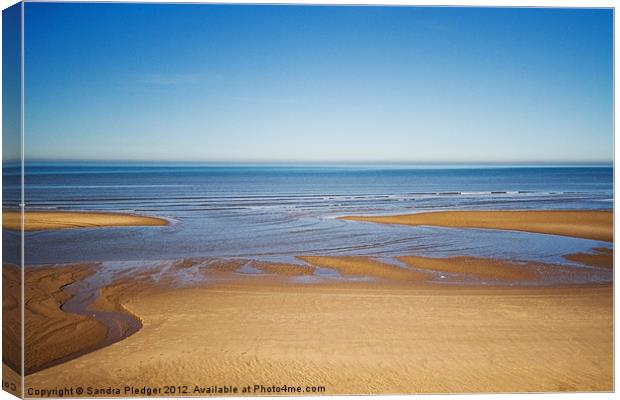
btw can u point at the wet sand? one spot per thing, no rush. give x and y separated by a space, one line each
599 257
596 225
367 267
48 220
394 334
51 333
482 268
59 326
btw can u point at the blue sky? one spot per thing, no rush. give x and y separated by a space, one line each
225 83
11 87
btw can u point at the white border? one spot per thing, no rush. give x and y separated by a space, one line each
474 3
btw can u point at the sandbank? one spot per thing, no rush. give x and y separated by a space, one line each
596 225
48 220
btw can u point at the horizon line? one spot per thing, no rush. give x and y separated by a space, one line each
316 162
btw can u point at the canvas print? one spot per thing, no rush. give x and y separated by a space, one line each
250 200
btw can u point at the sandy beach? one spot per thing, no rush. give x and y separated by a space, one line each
397 333
376 326
597 225
11 315
48 220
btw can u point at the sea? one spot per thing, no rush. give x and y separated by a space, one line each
277 212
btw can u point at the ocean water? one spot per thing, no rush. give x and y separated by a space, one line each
278 212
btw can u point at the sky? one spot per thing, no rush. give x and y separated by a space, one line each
325 84
11 83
